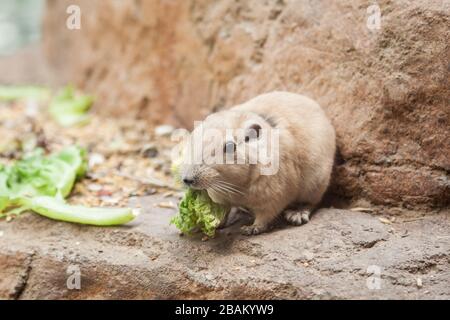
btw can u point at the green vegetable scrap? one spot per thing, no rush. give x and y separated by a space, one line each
197 210
40 183
69 109
13 93
54 208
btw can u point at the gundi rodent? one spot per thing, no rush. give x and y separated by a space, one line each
305 148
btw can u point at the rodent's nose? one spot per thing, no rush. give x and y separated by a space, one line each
188 181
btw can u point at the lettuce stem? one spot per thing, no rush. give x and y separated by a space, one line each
56 209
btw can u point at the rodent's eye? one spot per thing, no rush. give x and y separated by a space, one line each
253 132
229 147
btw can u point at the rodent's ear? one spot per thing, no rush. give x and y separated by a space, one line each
253 132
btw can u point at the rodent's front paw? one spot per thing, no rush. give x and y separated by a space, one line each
254 229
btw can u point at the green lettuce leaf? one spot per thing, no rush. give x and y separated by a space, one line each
40 183
50 176
69 109
57 209
197 210
12 93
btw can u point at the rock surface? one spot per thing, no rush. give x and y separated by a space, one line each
386 89
336 255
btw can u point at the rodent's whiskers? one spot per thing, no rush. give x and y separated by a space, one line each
225 188
221 190
217 188
230 184
229 187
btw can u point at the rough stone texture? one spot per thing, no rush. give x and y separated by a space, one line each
387 91
325 259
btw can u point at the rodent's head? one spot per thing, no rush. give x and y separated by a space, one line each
220 152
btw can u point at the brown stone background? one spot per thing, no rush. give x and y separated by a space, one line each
386 91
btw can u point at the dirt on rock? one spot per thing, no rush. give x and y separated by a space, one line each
338 255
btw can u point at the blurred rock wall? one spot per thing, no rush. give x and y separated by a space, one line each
387 91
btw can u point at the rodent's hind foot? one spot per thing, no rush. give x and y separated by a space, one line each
253 229
297 217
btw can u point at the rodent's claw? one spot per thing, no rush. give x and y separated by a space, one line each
297 217
254 229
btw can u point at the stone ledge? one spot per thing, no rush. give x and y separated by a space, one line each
327 258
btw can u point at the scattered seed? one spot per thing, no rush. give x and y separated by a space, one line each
361 209
128 140
148 181
96 159
109 200
94 187
419 282
149 192
384 220
167 205
104 193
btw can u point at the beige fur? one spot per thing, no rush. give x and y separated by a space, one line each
306 149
